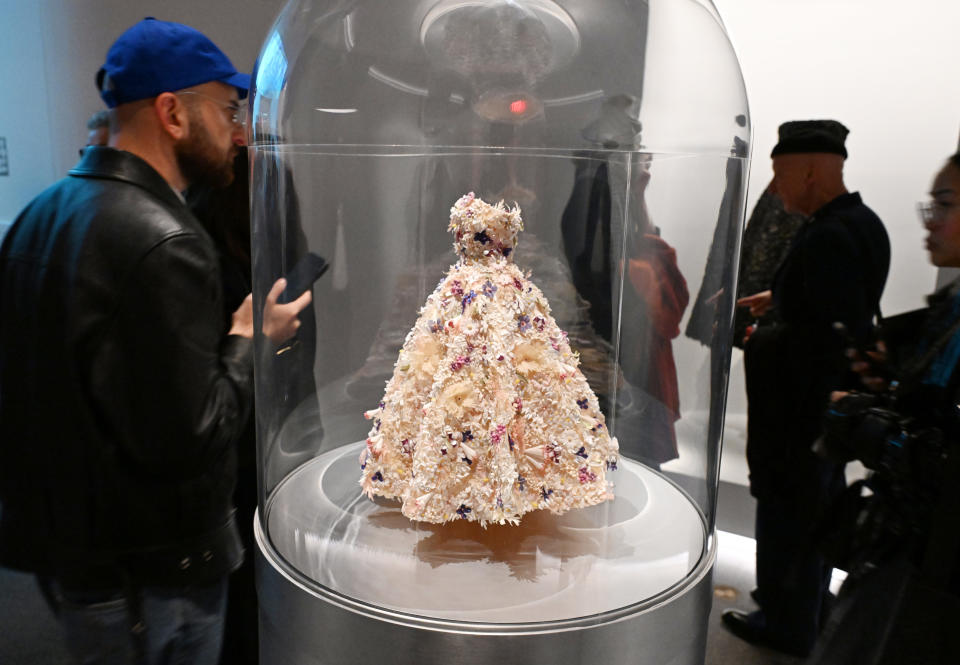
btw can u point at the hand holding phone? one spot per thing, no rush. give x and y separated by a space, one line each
289 296
868 357
300 278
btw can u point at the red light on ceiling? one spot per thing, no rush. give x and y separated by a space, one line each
518 106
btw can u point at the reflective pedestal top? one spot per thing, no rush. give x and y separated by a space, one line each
549 568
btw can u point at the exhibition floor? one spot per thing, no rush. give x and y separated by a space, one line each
29 635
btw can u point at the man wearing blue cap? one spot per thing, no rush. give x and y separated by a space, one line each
121 390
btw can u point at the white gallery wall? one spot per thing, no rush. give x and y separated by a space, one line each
888 70
53 49
24 113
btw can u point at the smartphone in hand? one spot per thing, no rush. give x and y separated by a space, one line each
854 346
302 276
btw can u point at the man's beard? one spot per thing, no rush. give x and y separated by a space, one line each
199 160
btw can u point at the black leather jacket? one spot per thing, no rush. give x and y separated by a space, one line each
120 392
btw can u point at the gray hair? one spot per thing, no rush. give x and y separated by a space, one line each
98 120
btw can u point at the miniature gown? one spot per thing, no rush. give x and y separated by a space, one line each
487 416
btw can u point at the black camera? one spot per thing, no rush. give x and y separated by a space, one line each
876 430
867 428
905 453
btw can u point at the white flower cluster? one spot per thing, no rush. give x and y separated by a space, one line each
482 230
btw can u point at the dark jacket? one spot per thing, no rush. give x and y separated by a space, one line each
904 579
713 307
766 241
835 271
120 392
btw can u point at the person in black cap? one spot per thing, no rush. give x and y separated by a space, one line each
833 273
121 388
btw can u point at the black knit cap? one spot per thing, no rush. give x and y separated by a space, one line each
798 136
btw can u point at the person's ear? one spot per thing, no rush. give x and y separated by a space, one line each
172 114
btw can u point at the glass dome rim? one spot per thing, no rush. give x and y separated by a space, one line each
429 150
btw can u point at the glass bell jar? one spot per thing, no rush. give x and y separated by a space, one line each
495 436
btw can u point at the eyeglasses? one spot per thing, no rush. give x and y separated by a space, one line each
931 211
238 114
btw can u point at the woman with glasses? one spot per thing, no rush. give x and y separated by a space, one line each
941 216
901 600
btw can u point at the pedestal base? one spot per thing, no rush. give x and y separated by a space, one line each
343 580
299 626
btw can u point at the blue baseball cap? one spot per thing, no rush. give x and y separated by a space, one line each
160 56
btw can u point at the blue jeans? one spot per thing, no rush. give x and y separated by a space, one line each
181 626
